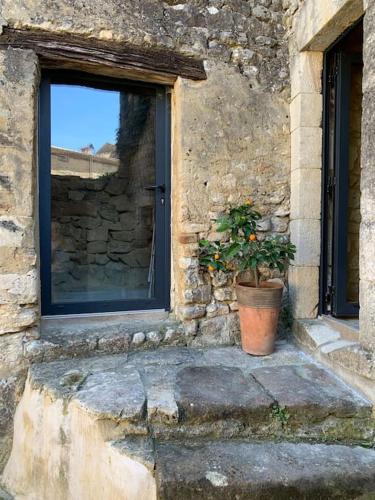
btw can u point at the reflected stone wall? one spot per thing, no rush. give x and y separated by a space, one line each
102 218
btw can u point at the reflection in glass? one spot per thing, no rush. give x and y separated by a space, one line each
102 157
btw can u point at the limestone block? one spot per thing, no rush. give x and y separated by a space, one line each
367 314
225 293
306 73
200 295
10 389
16 182
154 337
16 232
264 224
11 354
17 98
306 110
305 194
118 246
97 247
187 238
304 291
279 224
368 157
369 48
366 250
219 278
98 234
213 310
138 338
19 288
306 148
122 203
320 22
14 318
127 221
191 312
305 234
190 328
218 330
17 260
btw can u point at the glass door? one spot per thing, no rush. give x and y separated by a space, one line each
104 195
342 176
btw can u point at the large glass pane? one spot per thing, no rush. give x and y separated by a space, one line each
102 158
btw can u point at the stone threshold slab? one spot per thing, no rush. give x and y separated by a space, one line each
174 392
331 345
94 337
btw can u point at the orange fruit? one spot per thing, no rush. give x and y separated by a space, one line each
252 237
217 256
211 268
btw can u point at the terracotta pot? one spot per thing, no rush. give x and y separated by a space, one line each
259 310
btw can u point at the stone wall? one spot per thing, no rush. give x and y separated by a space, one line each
367 231
230 142
18 258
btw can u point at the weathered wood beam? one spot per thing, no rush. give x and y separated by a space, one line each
75 52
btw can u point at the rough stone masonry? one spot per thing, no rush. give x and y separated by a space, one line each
230 142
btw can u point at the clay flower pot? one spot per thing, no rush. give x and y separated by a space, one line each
259 310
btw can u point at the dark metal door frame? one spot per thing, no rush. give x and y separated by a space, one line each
335 188
162 197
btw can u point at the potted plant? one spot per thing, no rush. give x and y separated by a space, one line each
259 301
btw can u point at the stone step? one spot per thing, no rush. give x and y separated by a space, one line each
105 416
172 393
242 470
76 338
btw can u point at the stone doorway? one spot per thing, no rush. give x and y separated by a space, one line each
104 195
341 215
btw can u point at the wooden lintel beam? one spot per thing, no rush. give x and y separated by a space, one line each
67 50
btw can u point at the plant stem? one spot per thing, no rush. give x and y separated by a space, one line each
256 277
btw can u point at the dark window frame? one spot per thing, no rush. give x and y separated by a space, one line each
336 71
162 172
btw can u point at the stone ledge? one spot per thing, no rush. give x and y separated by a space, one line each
240 469
328 345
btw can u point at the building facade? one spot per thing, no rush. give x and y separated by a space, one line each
223 101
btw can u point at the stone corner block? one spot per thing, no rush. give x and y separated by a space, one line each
304 291
306 72
306 110
306 148
305 195
367 314
305 234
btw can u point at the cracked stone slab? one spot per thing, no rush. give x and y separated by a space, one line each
161 403
242 470
57 377
219 392
114 394
310 392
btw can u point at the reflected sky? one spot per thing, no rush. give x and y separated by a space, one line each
81 116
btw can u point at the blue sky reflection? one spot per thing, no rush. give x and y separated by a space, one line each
81 116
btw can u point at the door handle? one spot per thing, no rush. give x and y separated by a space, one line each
159 187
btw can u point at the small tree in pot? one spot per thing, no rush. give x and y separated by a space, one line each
259 301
